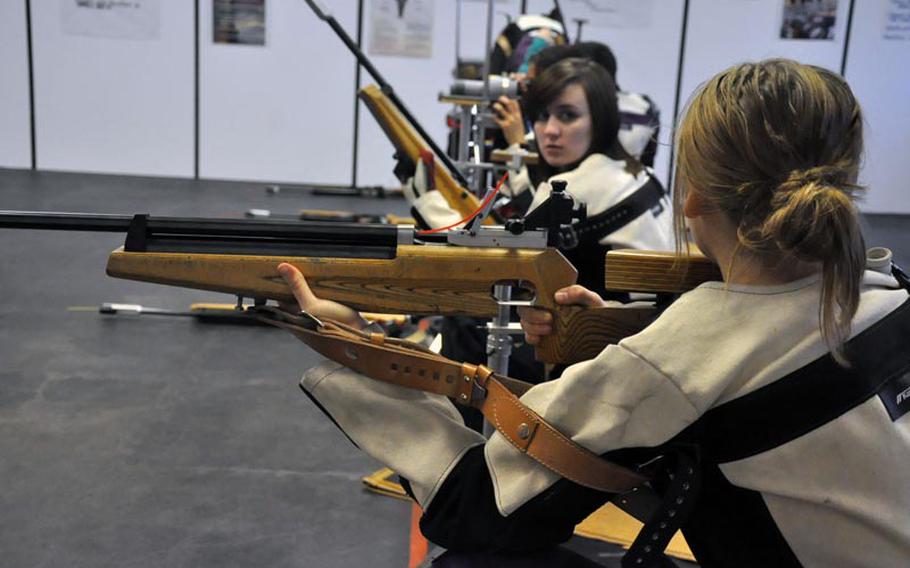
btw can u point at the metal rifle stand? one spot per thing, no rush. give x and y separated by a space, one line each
500 330
557 211
480 129
499 337
472 112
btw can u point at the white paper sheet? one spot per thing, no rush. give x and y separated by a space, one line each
401 27
121 19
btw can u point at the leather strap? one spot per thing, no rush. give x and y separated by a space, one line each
595 227
411 365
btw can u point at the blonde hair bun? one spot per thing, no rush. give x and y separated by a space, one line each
811 219
776 146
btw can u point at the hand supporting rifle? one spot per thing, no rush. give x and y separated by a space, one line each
537 323
315 306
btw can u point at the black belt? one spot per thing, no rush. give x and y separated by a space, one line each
800 402
814 395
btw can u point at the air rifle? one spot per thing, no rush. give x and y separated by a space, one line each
403 130
385 268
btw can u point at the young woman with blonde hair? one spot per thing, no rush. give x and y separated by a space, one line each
784 390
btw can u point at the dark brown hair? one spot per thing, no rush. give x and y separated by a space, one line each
600 92
595 51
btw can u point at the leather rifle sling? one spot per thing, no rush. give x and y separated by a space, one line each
410 365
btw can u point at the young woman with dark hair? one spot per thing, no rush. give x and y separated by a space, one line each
576 121
639 116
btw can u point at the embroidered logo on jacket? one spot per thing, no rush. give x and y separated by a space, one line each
903 396
895 394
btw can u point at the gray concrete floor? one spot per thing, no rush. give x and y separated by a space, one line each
163 441
149 441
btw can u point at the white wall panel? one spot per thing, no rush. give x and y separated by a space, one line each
15 141
284 111
647 59
114 105
878 70
418 83
726 32
474 24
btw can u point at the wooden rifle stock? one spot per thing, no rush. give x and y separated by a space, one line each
375 267
418 280
409 143
439 280
657 272
584 332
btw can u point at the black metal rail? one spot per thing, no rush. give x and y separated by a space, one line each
386 88
222 236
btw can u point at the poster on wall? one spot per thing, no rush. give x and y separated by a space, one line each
621 14
240 22
808 19
897 21
121 19
401 27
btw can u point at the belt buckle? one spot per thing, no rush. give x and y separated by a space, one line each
478 393
568 237
657 208
471 391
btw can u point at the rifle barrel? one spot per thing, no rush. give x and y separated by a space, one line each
95 222
227 236
330 231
